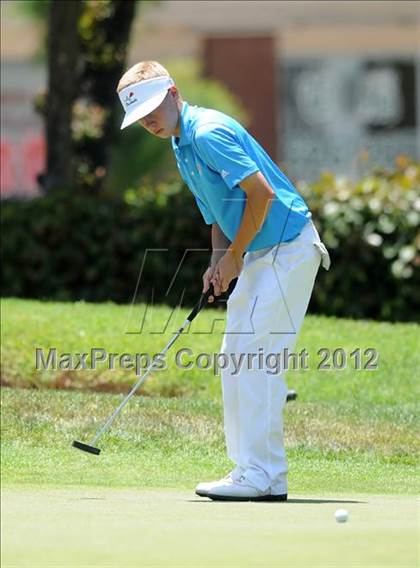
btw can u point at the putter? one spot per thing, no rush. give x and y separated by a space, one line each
91 448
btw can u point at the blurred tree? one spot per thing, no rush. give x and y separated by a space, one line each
63 57
103 160
104 28
87 48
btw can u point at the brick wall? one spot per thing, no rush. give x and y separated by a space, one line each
247 65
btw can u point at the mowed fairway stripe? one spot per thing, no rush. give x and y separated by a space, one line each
119 528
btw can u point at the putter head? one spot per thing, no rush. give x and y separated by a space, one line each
86 448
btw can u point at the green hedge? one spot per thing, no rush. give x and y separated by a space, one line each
371 229
75 246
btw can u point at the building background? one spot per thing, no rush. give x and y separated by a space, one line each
328 85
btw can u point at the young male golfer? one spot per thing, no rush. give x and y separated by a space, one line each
262 233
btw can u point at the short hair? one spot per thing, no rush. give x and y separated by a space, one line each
140 72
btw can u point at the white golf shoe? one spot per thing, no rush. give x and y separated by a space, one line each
203 488
241 490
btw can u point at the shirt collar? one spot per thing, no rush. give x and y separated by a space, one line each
185 126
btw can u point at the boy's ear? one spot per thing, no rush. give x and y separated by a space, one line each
174 92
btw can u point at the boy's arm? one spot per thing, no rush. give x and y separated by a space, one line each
259 199
219 243
219 147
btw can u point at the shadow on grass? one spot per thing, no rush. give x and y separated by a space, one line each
322 501
297 501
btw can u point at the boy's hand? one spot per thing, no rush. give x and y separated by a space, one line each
207 277
228 268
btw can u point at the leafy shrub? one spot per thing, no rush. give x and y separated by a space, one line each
371 229
69 246
74 246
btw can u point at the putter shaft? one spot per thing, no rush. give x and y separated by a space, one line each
90 448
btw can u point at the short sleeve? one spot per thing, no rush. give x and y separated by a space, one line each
205 211
219 147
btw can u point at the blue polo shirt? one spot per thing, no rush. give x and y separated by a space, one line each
214 154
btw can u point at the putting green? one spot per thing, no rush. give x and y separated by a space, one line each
118 528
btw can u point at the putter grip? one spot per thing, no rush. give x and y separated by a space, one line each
201 303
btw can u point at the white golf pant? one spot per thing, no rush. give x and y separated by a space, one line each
264 315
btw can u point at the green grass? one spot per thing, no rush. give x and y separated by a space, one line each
351 437
349 430
176 442
131 528
391 391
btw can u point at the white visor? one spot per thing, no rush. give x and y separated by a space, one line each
142 98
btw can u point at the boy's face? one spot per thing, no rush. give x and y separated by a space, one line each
163 121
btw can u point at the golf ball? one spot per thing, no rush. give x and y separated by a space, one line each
341 516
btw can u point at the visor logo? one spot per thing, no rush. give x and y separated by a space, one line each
130 99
